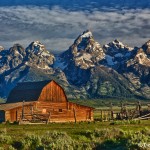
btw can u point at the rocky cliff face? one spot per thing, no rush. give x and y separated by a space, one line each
36 54
84 54
34 63
85 70
116 70
117 54
146 48
137 71
18 64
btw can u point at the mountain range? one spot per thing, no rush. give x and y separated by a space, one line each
86 70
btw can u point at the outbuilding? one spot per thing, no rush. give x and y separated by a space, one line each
44 101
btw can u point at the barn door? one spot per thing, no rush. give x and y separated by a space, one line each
12 115
88 116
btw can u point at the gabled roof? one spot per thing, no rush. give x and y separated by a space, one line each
26 91
14 105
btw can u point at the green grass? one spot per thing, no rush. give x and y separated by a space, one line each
71 129
105 103
125 135
89 133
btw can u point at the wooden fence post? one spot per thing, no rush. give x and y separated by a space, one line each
101 115
49 117
111 111
75 117
23 110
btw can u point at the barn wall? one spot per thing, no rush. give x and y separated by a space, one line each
56 112
7 116
11 115
16 113
83 113
65 112
52 92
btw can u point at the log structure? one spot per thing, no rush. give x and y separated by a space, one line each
44 101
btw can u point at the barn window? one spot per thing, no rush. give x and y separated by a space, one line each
60 110
44 111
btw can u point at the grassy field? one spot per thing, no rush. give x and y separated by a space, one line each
73 129
105 103
110 135
85 135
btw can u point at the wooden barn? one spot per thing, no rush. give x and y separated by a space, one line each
45 101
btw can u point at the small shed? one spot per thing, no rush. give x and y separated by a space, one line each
44 101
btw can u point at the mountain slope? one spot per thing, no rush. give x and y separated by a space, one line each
85 70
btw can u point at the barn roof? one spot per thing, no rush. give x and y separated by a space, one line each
26 91
13 105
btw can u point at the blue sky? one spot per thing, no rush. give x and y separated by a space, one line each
57 23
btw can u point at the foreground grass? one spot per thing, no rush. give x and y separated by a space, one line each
85 135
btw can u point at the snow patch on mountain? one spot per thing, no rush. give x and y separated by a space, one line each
86 34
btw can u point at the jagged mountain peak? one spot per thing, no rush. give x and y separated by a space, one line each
85 52
10 59
36 47
116 46
86 34
86 43
36 42
17 49
36 54
1 48
117 54
142 58
146 47
147 43
83 42
86 68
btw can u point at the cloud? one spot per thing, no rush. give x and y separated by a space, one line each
57 28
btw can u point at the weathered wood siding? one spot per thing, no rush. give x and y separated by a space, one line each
52 92
16 113
59 112
52 105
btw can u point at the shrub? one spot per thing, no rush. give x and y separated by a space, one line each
58 140
31 142
125 122
3 131
5 139
11 148
123 140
